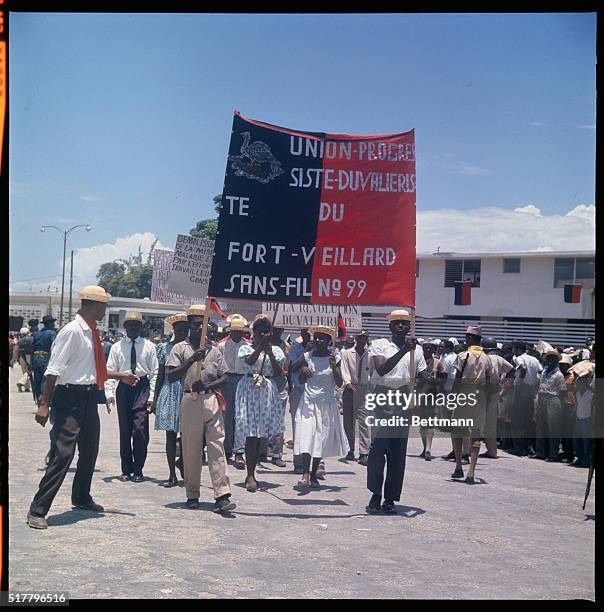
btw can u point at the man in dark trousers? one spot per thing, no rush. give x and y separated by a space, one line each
136 355
42 341
75 373
390 361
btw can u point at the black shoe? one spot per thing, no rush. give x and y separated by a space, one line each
204 461
192 503
124 478
171 482
470 480
363 459
315 484
458 473
36 522
487 456
422 454
350 456
428 456
224 504
465 460
374 504
388 507
278 462
137 478
449 457
20 387
91 506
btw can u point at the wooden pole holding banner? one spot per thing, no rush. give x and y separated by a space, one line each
202 342
412 363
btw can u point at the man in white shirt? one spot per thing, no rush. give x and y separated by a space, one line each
76 373
390 360
526 383
138 356
229 347
356 372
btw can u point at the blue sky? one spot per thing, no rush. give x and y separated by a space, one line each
123 121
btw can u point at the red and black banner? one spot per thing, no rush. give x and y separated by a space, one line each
463 293
572 293
316 218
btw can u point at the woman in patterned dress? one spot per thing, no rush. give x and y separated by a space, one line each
319 427
166 403
258 408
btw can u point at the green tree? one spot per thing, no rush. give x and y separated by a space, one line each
207 228
128 277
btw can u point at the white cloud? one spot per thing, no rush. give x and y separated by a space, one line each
529 210
484 230
586 127
91 198
535 123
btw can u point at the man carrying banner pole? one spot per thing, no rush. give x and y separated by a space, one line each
200 412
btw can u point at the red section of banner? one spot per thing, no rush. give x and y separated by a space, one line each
365 248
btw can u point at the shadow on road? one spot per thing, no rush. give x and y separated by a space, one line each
314 502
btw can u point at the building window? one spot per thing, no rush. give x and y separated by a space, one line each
571 269
511 265
462 270
417 268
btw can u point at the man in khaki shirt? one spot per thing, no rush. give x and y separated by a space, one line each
473 371
355 366
200 413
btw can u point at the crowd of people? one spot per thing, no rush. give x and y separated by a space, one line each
225 401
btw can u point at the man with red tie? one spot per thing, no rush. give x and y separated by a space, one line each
75 374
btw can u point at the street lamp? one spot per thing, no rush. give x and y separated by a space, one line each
64 233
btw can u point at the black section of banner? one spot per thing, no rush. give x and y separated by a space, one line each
276 215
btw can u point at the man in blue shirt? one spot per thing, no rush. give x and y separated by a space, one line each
42 342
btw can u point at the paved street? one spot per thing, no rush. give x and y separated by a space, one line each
520 533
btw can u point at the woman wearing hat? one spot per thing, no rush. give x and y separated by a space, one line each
258 410
166 403
549 408
319 428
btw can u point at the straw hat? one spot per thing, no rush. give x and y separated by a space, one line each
198 310
237 322
94 293
553 353
322 329
399 315
176 318
566 359
474 330
133 315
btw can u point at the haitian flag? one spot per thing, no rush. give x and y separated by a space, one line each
309 217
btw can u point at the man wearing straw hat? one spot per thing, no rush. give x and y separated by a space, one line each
75 374
229 348
390 360
200 413
139 356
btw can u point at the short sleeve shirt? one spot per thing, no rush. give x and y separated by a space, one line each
399 375
214 365
476 366
552 382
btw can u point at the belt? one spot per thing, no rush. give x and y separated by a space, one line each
235 374
41 354
79 387
200 392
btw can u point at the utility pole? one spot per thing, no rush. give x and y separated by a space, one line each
70 285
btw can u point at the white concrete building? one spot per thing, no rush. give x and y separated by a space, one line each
515 296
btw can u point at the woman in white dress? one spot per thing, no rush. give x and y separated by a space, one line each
319 427
258 409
